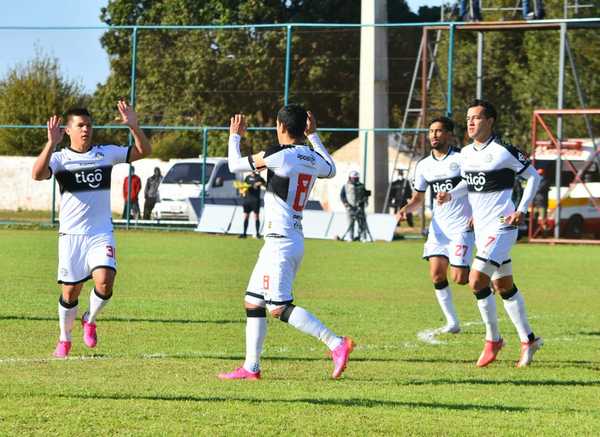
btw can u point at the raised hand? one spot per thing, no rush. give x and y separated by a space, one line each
311 124
55 132
237 125
128 115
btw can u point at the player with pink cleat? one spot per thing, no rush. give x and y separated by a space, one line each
62 349
90 338
292 170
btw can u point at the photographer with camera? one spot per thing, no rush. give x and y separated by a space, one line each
355 196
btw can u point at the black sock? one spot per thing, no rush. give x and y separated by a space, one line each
257 227
245 225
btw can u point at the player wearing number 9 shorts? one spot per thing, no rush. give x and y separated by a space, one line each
86 246
292 169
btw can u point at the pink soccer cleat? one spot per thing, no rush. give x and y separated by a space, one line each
490 352
89 332
340 356
240 373
62 349
528 349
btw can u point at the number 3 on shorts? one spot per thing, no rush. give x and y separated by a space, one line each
110 251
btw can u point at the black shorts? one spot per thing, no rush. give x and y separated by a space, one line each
253 206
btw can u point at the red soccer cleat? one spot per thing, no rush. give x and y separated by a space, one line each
490 352
62 349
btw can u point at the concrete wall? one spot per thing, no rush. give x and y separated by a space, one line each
19 191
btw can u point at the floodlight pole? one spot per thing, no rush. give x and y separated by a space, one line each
132 95
559 125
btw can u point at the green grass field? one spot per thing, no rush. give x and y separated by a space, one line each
177 320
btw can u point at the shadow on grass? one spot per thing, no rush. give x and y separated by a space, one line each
593 333
351 402
125 319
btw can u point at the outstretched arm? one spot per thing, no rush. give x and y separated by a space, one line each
40 169
129 118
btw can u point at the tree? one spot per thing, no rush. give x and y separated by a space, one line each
29 94
200 77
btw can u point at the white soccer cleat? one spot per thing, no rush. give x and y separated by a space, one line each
449 329
528 349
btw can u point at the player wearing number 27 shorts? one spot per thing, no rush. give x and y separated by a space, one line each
292 169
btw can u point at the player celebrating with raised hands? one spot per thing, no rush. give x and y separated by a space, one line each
450 240
292 169
489 167
86 248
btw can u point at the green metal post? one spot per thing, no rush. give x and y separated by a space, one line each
132 97
288 59
450 71
204 153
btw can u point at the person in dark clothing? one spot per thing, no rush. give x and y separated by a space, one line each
136 186
251 200
400 194
151 192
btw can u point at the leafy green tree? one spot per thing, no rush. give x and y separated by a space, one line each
29 94
200 77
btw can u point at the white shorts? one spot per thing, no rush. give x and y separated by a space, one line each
495 245
458 250
275 270
80 255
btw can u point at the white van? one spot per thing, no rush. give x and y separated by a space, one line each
184 181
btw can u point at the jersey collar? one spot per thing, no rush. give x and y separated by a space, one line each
80 153
450 150
487 143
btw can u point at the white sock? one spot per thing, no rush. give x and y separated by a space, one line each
515 308
66 319
96 304
256 330
309 324
487 308
444 298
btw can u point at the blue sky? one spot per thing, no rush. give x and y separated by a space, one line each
80 54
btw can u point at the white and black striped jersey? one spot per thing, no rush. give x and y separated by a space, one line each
292 173
84 182
490 171
442 175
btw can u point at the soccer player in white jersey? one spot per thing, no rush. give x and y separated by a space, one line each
450 240
293 168
489 167
86 246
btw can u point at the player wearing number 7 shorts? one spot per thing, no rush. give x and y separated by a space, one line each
450 239
292 169
86 246
489 168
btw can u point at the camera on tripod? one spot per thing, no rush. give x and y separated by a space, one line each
355 197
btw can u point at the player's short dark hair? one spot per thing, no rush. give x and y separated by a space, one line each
293 117
488 109
447 123
77 112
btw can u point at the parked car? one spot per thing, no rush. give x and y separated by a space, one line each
184 181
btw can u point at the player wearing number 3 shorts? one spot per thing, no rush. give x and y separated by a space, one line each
489 168
450 239
86 246
292 169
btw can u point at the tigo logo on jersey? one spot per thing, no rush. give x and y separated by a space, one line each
92 179
477 181
442 187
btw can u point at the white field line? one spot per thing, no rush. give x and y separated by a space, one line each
429 335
